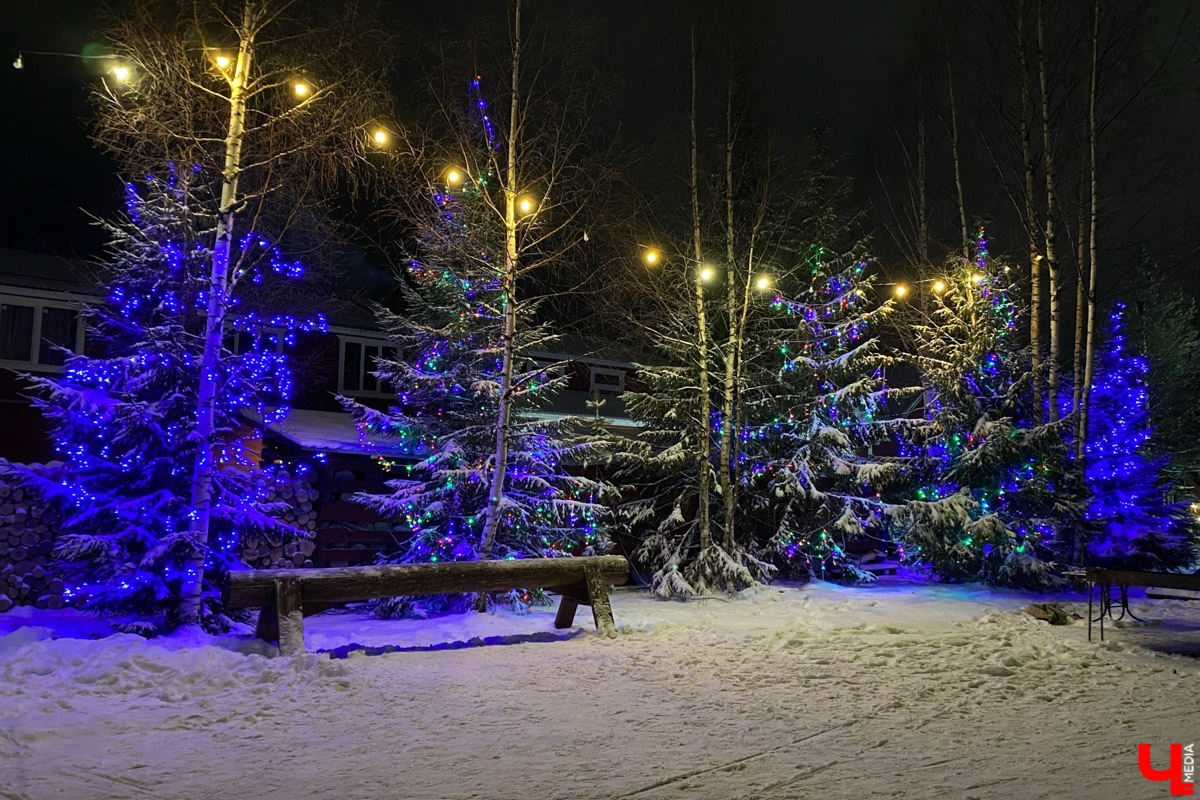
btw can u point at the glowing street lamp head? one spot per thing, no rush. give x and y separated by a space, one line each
976 278
300 88
222 61
764 282
901 290
939 286
706 273
120 73
380 137
651 257
525 205
453 176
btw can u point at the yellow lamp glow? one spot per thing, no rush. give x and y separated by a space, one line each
706 273
222 61
525 204
764 282
380 136
977 278
901 291
454 176
121 73
300 88
651 257
939 287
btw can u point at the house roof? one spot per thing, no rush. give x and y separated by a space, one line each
47 272
328 432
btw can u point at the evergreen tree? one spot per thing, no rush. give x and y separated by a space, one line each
1164 327
815 480
124 421
445 373
1134 525
992 482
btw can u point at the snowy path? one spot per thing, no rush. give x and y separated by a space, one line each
821 692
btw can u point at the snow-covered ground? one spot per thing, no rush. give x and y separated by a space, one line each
896 690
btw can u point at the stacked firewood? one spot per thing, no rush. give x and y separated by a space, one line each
27 530
262 551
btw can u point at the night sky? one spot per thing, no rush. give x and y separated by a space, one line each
853 65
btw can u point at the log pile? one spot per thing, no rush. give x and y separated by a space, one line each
263 551
27 531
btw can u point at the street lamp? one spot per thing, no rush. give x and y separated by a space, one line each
453 176
939 287
380 137
120 73
763 282
706 273
222 62
526 205
901 290
650 257
300 88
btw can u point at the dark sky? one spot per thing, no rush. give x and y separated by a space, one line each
854 64
824 59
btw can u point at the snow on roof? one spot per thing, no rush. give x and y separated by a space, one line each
330 432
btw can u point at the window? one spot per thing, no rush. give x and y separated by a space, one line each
358 363
33 332
610 381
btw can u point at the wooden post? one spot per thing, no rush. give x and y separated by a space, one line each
569 599
598 596
290 613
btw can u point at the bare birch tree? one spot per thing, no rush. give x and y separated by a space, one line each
262 105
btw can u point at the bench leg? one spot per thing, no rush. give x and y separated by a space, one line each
268 623
290 615
569 599
598 597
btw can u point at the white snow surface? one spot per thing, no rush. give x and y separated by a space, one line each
896 690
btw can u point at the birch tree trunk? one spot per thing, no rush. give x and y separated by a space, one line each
1052 357
962 209
922 210
508 335
1090 355
705 412
728 473
192 585
1080 294
1035 258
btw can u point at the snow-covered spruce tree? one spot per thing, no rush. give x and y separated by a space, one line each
814 478
1134 526
124 421
446 375
992 485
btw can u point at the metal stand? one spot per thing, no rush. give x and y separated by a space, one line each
1106 604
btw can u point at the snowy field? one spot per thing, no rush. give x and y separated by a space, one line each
897 690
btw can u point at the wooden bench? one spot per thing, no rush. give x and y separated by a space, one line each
1121 580
286 596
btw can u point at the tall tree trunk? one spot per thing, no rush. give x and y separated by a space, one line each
739 360
508 336
1052 358
192 586
1080 294
705 411
728 473
962 208
922 210
1090 355
1031 225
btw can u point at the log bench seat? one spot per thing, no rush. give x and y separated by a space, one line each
286 596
